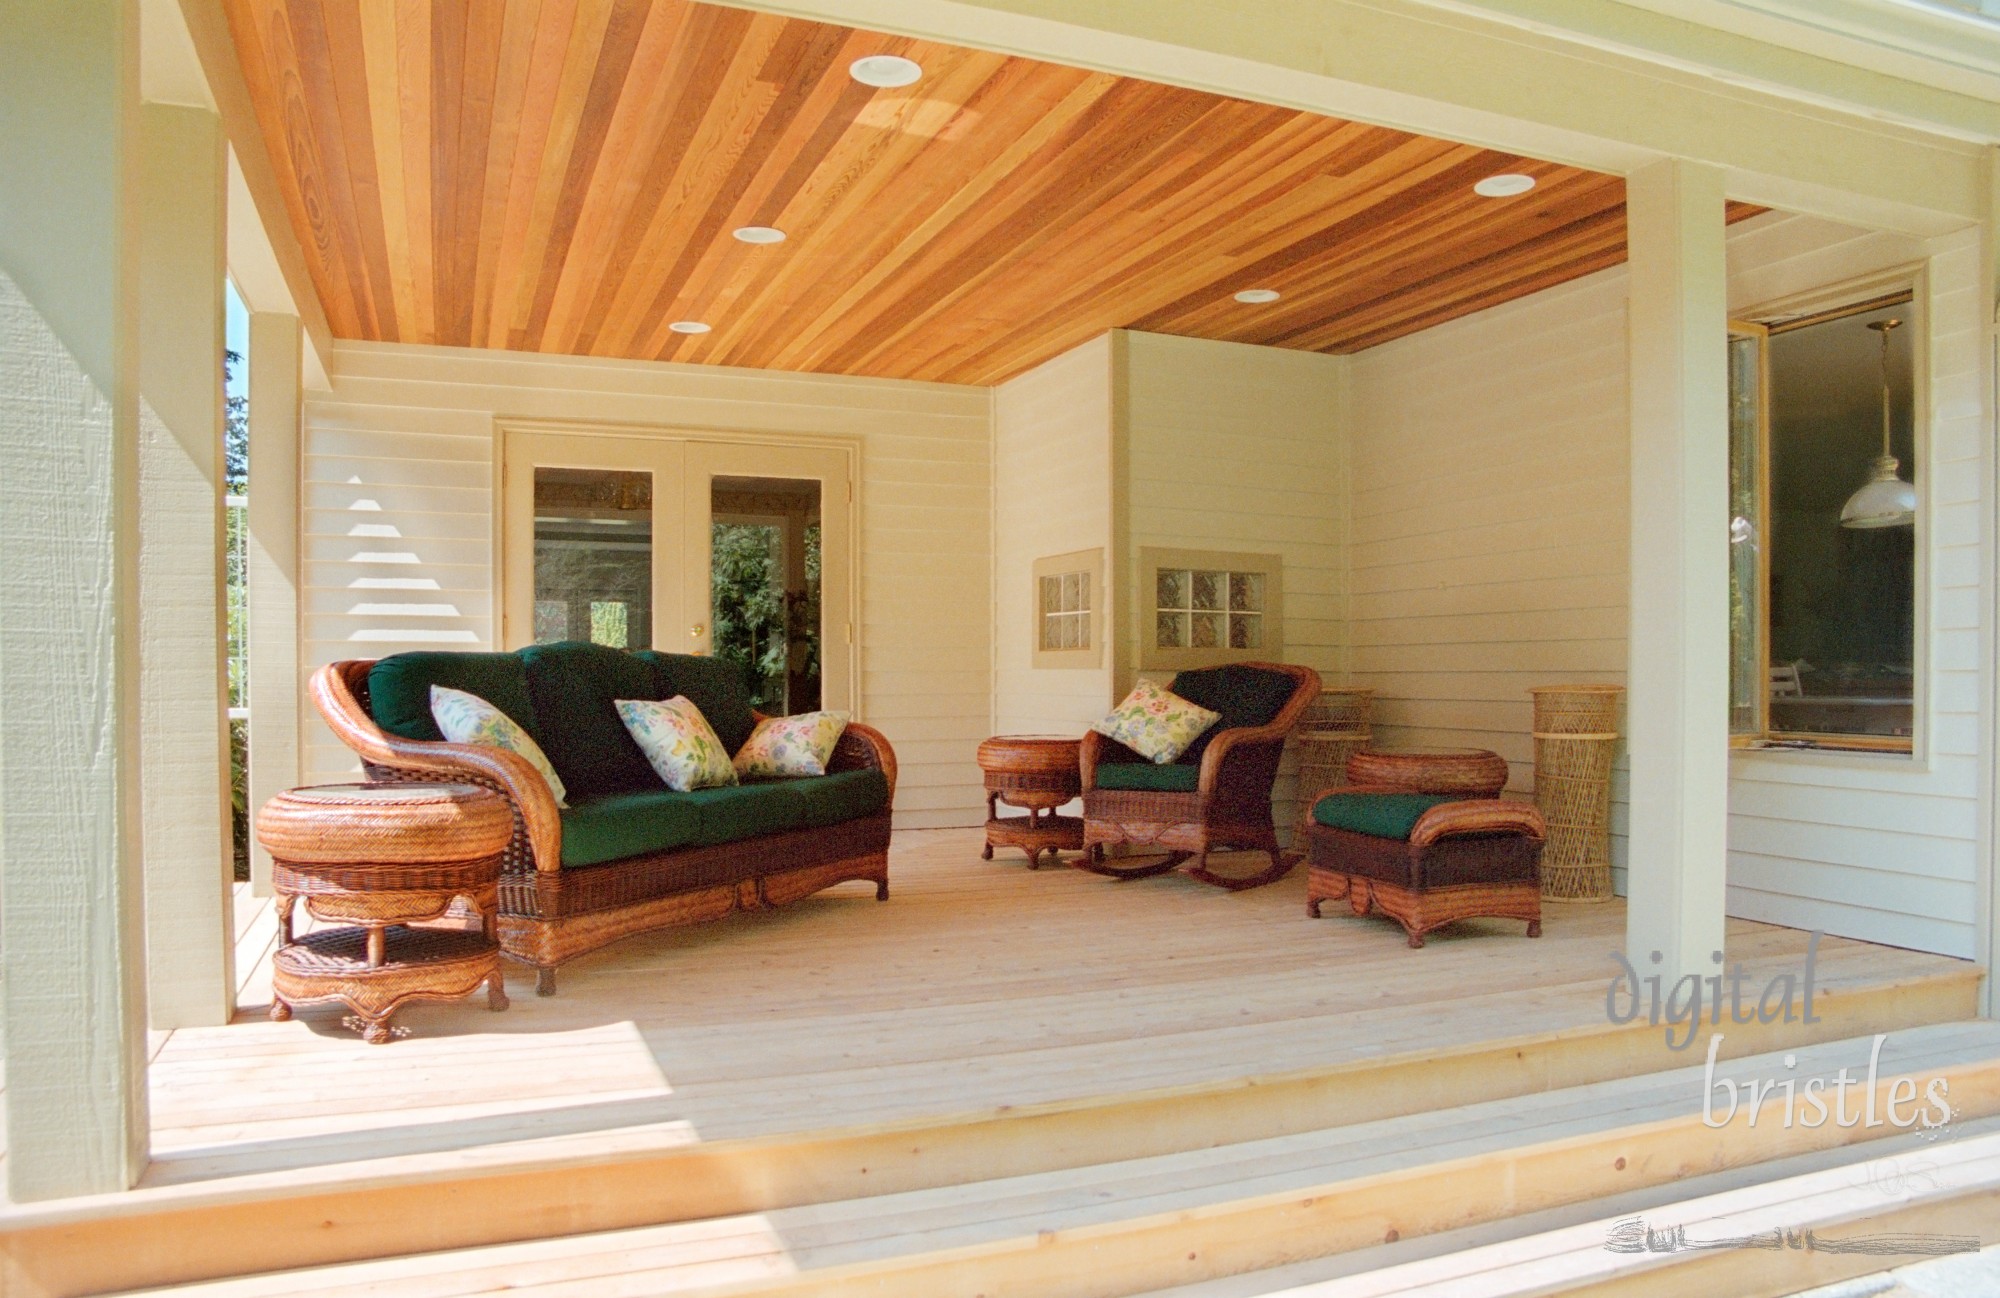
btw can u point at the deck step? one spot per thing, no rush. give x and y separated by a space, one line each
1936 1195
1125 1227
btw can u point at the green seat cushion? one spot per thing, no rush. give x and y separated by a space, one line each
399 689
1380 815
715 685
1244 696
831 799
628 824
659 820
575 686
1173 778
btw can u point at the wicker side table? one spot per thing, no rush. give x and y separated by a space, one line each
381 857
1039 773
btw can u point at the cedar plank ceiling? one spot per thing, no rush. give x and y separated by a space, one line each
563 176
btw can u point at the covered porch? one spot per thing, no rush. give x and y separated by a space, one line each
711 1097
1502 462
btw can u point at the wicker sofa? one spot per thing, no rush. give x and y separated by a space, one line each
627 855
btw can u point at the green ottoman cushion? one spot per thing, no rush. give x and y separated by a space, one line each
399 689
574 686
1147 777
1379 815
1245 696
715 685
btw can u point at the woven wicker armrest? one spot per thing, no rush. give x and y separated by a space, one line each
336 693
1242 740
864 748
1478 816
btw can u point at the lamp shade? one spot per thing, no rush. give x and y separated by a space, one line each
1885 500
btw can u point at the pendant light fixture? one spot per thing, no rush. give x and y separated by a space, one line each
1885 500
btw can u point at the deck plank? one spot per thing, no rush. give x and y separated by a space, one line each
978 985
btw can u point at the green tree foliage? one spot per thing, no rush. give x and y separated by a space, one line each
749 606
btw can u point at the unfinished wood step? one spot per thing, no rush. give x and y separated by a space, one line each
1124 1227
1951 1189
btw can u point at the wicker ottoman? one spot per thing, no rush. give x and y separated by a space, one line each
1038 773
1433 861
379 857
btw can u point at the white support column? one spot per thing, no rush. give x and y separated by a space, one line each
183 689
1678 719
277 687
73 1007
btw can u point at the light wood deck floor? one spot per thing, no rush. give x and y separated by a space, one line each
977 986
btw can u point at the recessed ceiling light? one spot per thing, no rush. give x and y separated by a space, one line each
1505 185
885 71
688 327
760 234
1255 295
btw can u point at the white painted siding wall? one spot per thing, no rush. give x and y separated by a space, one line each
1884 848
1051 495
1489 554
398 546
1233 447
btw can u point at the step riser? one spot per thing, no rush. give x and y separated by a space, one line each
1160 1252
188 1234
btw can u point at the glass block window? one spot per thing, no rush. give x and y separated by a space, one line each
1065 611
551 620
1208 608
1203 608
1069 619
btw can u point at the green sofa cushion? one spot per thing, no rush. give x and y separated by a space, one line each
1245 696
832 799
1380 815
1173 778
399 689
715 685
574 686
658 820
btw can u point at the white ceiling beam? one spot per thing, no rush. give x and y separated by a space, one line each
264 242
1406 64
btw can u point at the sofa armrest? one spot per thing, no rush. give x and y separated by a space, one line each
1478 816
864 748
333 693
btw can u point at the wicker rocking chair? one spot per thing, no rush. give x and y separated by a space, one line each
1217 796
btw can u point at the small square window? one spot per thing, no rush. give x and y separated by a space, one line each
1209 608
1068 588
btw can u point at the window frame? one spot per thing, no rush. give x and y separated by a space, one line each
1900 286
1152 657
1089 563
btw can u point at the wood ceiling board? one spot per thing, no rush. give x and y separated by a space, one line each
563 176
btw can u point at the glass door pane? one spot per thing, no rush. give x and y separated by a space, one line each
594 556
764 586
590 539
768 568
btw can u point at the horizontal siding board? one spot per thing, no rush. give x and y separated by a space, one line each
1488 552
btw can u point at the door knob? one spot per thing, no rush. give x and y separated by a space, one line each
696 630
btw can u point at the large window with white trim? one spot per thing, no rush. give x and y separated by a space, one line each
1825 521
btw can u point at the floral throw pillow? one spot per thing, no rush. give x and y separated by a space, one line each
1156 724
464 718
677 739
788 747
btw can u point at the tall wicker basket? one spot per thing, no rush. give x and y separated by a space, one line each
1333 728
1576 740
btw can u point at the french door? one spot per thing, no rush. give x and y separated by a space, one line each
741 549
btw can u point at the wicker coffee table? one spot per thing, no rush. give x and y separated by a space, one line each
1038 773
378 858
